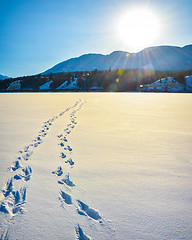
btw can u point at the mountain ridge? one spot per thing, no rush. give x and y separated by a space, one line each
163 57
2 77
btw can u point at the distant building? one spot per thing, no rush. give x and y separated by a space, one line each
163 85
188 83
73 84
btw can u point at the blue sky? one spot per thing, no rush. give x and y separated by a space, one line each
37 34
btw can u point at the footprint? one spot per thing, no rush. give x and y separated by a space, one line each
68 148
58 172
27 155
65 197
44 134
86 210
80 234
63 155
36 144
67 181
14 203
26 148
8 188
19 200
61 144
16 165
38 138
26 175
70 161
4 207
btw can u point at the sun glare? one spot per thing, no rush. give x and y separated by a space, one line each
138 28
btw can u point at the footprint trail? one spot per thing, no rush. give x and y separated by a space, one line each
79 206
13 193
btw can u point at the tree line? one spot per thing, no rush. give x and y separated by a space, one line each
106 80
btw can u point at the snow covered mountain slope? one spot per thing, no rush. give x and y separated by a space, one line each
72 85
16 85
160 58
95 166
2 77
46 86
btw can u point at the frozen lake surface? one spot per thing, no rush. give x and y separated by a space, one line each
95 166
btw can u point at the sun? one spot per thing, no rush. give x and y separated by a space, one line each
138 28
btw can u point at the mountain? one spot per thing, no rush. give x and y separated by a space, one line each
3 77
158 58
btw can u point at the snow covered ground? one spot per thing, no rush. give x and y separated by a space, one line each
95 166
16 85
46 86
72 85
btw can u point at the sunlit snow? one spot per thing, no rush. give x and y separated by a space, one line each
96 166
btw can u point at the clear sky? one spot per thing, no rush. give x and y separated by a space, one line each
37 34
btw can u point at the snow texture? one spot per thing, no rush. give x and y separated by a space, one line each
95 166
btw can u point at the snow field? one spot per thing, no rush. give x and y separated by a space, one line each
117 167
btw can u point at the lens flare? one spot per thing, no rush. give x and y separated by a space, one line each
120 72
